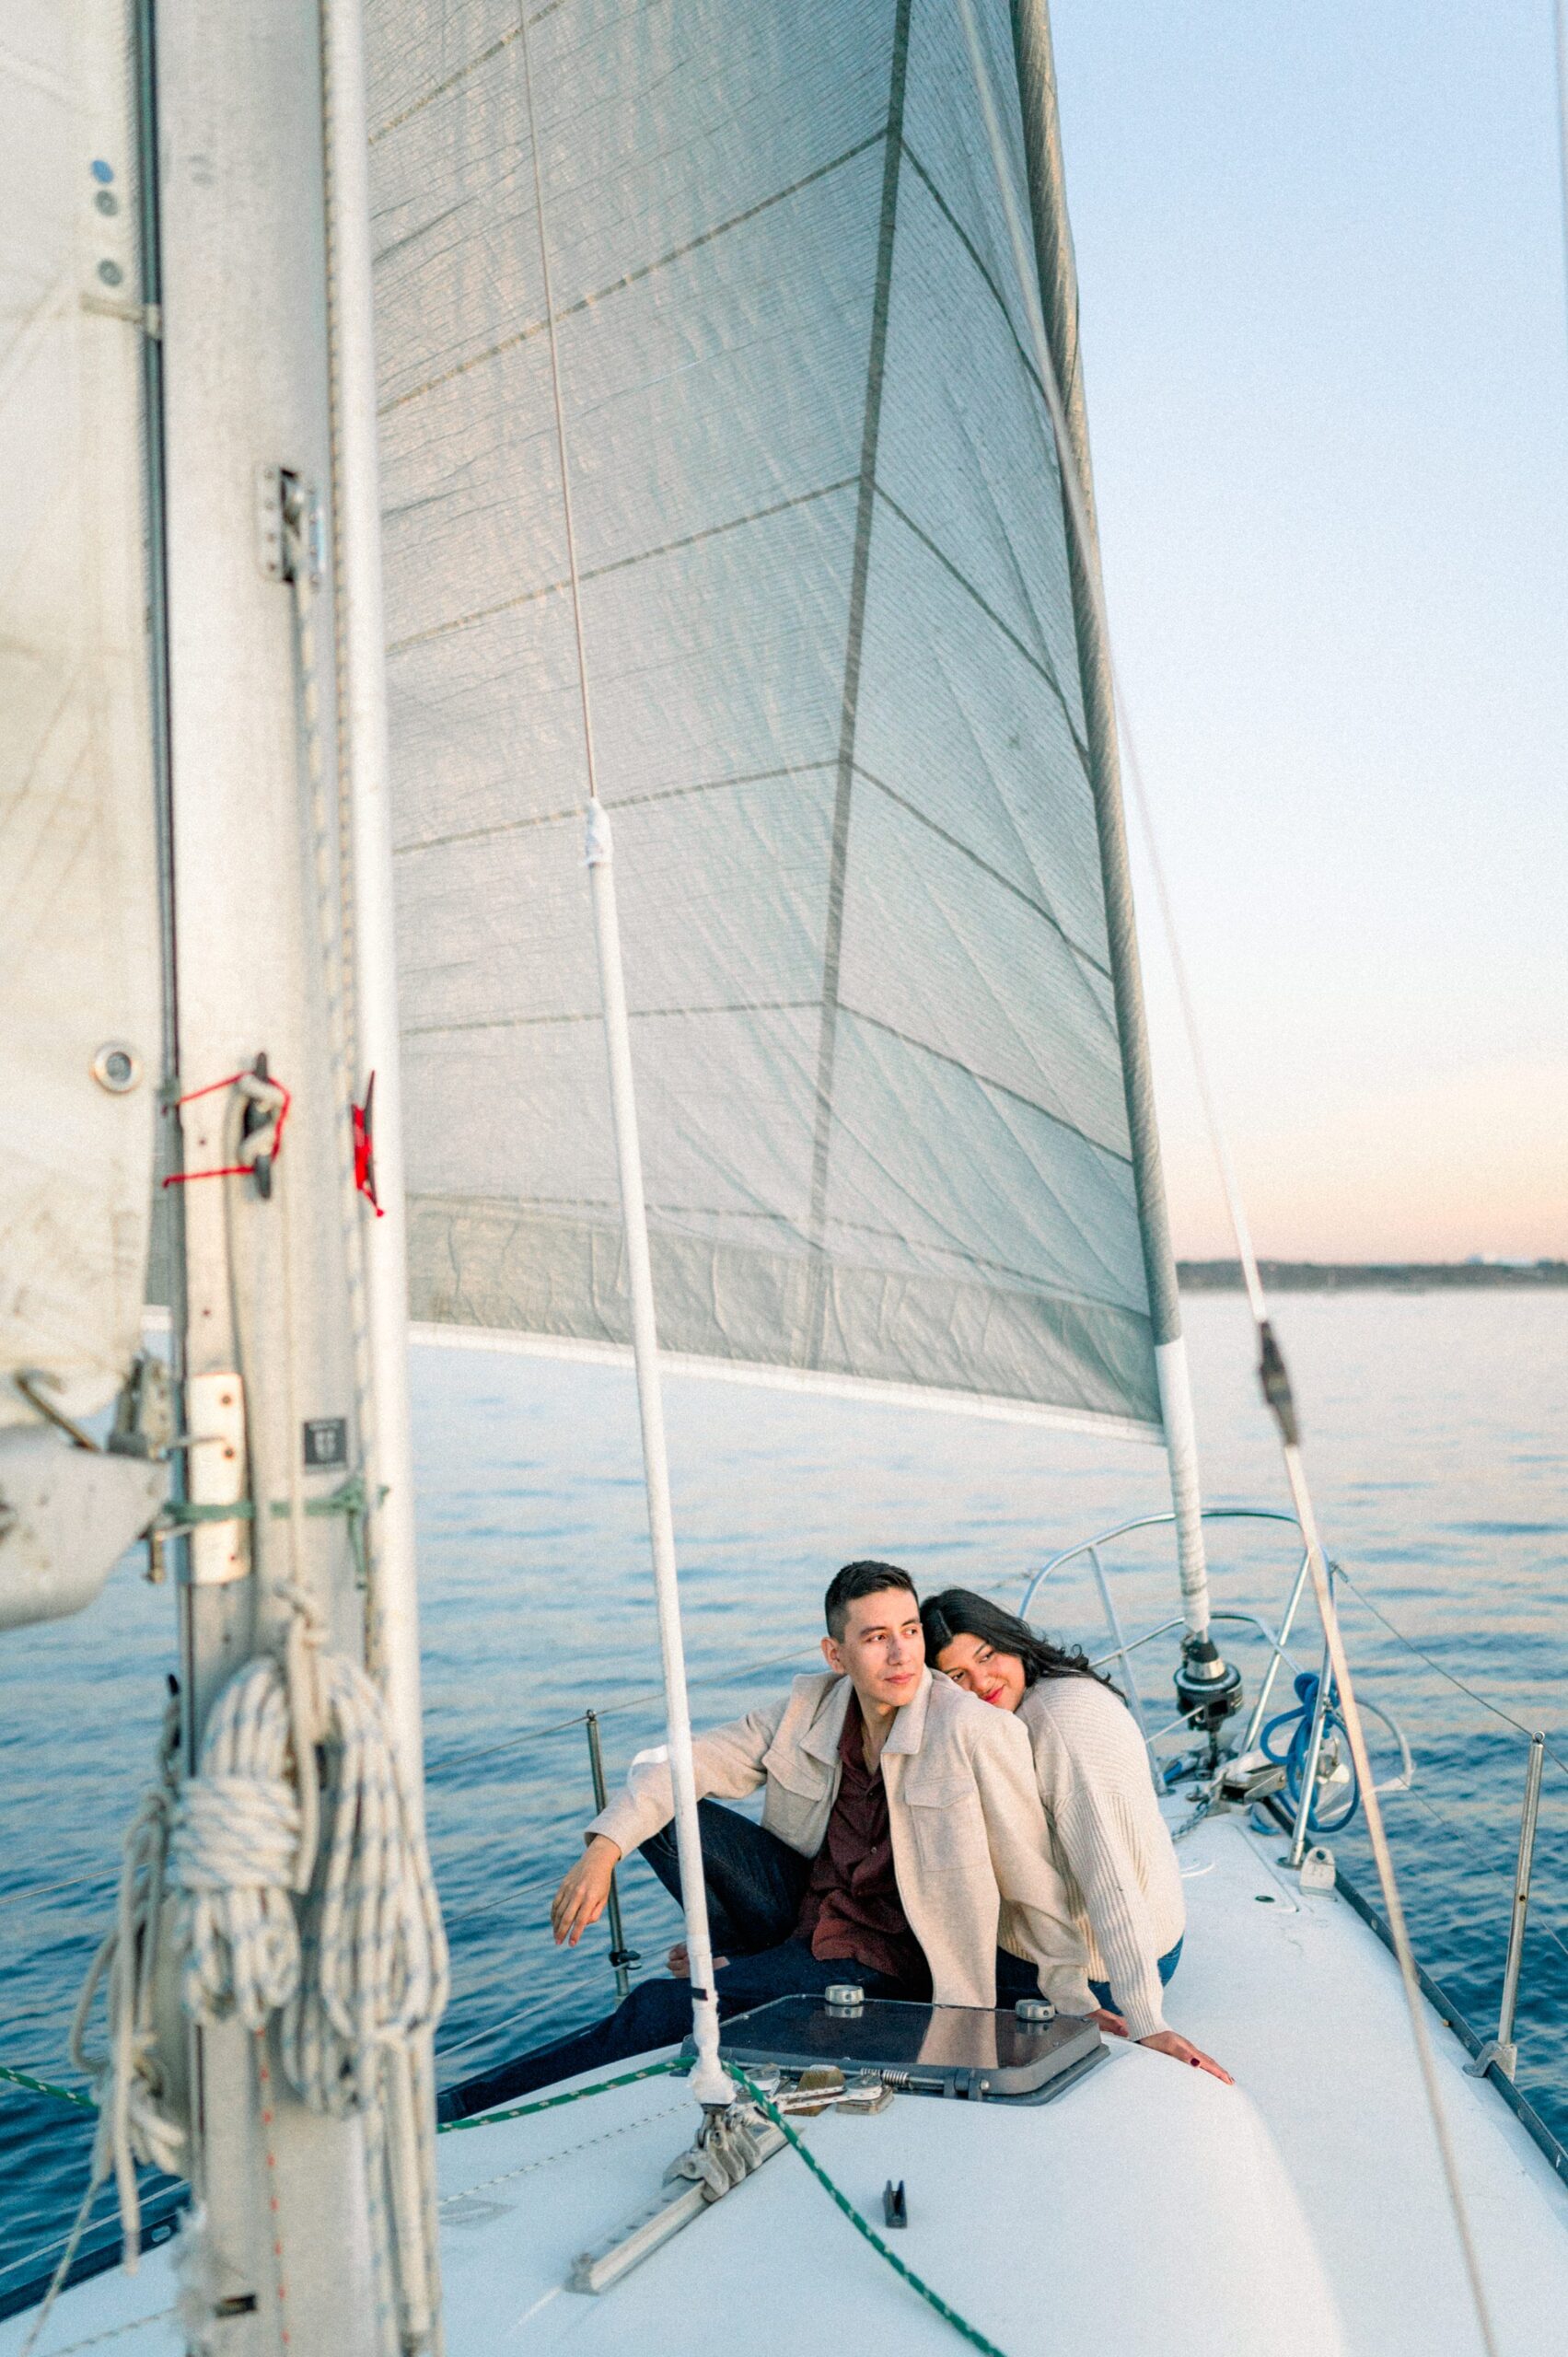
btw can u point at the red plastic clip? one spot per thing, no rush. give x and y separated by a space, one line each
364 1148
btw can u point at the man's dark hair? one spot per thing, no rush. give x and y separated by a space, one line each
856 1580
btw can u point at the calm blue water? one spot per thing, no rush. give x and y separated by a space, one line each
1433 1433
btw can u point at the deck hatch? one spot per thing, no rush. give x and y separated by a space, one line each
924 2049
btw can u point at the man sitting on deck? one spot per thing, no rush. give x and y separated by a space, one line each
901 1836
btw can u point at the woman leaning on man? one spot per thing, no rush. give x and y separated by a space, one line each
1108 1840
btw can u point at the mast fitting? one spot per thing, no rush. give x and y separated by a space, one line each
1208 1689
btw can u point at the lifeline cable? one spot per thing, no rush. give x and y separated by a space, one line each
1272 1372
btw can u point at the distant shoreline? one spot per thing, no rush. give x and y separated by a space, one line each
1367 1276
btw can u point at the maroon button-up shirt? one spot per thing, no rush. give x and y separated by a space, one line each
851 1907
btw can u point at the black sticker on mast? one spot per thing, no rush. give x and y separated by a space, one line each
326 1442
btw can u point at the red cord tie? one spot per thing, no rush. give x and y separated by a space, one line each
266 1109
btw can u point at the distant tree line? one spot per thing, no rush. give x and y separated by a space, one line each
1348 1276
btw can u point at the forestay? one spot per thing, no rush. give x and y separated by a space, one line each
79 1039
837 696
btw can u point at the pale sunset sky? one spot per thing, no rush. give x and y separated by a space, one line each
1321 254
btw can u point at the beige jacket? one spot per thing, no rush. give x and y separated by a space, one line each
970 1848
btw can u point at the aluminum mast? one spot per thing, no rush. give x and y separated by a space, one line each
272 1293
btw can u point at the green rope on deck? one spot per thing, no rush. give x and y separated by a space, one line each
960 2325
678 2067
42 2088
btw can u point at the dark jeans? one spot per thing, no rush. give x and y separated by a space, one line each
658 2012
1168 1964
755 1883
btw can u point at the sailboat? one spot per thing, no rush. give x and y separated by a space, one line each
616 571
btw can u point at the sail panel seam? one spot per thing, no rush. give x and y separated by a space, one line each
620 564
613 803
776 1006
533 327
987 281
955 843
474 65
592 1015
984 1080
1036 663
550 1207
565 816
876 369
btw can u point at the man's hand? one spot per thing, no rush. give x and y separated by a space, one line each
1181 2050
581 1898
679 1962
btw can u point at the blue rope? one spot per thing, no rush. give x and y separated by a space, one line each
1293 1757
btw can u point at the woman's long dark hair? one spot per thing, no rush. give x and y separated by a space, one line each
958 1612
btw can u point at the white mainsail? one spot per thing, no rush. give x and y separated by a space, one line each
839 707
80 1044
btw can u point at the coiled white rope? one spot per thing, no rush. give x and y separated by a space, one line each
235 1844
358 1970
354 1971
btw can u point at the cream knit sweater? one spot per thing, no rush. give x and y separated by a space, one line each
1109 1839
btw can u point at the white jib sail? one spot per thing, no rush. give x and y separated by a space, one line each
838 702
80 1047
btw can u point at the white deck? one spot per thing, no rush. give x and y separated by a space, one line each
1149 2209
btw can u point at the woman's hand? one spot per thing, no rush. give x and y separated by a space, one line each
1112 2023
1181 2050
581 1898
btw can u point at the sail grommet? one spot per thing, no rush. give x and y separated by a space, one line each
117 1067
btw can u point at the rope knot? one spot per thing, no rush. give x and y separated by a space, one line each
307 1699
